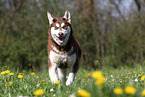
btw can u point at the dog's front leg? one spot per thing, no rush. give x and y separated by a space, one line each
62 74
72 74
71 78
53 73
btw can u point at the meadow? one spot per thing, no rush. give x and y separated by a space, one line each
106 82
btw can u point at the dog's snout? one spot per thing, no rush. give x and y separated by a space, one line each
60 34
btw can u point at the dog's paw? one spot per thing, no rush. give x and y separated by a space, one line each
68 82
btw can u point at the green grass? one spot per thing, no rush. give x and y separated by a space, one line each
114 78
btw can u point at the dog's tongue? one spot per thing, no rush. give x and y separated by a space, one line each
61 39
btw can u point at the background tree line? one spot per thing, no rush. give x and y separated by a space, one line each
110 33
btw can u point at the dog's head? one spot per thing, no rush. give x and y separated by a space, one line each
60 28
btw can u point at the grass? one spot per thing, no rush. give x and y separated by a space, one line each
29 82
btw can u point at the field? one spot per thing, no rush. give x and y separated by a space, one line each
107 82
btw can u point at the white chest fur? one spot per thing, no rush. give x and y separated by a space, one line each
57 58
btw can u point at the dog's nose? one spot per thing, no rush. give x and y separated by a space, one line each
60 34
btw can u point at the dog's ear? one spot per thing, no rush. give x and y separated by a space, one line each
51 18
67 16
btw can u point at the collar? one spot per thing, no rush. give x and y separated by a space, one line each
70 52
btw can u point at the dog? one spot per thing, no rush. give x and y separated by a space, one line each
64 51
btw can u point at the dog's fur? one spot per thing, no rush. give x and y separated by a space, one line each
64 51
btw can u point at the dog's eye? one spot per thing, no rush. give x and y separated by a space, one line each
56 27
64 27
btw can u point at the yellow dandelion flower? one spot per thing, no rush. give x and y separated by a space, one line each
139 75
3 72
87 81
120 79
130 90
20 76
132 77
126 77
83 93
21 73
32 73
7 71
57 82
5 65
121 74
39 92
97 61
96 74
129 73
142 72
143 77
143 93
100 81
8 84
37 76
118 90
11 73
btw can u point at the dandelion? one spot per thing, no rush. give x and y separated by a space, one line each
97 61
118 90
126 77
20 76
122 75
21 73
57 82
37 76
100 81
5 65
142 72
3 72
32 73
83 93
143 77
87 81
11 73
143 93
96 74
139 75
130 90
7 71
8 84
39 92
129 73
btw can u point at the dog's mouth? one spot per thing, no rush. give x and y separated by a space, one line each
60 38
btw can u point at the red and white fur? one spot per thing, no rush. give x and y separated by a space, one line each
64 51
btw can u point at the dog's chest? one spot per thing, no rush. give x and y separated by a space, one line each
57 57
